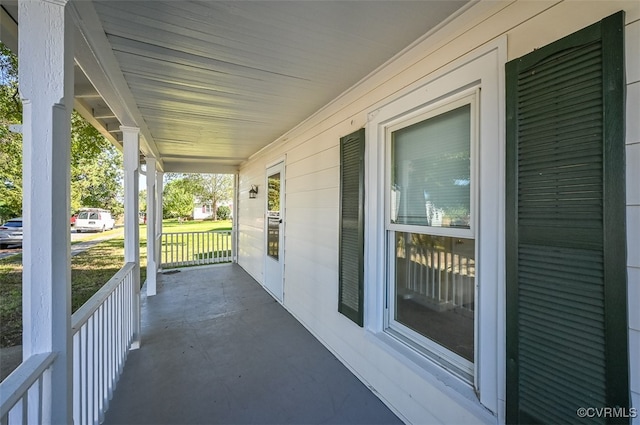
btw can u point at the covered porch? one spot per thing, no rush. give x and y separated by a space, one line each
207 112
283 95
219 349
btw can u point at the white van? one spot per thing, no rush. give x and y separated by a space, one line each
93 220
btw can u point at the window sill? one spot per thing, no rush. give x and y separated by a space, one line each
435 374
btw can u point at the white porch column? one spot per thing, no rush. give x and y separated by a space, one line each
234 216
46 86
152 265
131 148
159 214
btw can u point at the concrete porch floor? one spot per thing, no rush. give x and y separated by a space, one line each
217 349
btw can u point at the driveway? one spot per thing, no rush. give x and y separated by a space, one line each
76 248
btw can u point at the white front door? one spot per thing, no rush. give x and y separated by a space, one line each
273 279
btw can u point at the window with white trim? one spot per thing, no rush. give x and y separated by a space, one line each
434 234
431 231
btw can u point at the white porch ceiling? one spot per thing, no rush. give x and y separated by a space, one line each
212 82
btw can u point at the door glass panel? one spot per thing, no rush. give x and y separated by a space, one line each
435 289
273 216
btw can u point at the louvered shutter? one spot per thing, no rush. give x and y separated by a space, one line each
566 280
351 253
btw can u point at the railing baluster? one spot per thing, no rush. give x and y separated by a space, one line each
216 252
35 408
100 346
76 376
201 248
101 339
83 374
24 414
211 255
90 367
196 248
226 242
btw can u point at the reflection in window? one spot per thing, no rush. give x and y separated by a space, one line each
432 242
431 175
435 289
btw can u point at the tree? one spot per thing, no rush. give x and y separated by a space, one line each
178 198
10 143
96 165
215 188
96 169
142 200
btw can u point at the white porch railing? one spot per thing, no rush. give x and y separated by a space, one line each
103 329
439 277
23 393
195 248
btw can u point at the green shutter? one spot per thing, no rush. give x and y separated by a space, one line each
351 255
566 258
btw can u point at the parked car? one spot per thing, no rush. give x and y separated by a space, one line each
11 232
94 220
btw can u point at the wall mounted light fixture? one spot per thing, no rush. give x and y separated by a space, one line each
253 192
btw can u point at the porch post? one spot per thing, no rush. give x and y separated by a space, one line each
159 215
234 216
45 75
131 148
152 265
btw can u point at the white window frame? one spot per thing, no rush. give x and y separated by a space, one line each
467 97
482 69
440 354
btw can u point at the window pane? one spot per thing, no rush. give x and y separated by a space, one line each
273 216
435 287
431 174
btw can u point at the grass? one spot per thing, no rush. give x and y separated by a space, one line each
90 270
173 226
192 247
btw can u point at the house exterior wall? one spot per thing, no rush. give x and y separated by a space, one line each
311 154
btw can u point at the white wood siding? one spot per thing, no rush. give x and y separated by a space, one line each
312 173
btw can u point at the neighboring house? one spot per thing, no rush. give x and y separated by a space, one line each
460 228
204 210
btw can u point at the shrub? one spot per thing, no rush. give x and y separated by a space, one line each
223 212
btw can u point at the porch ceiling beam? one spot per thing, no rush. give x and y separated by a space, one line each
96 59
174 157
8 30
198 167
86 91
86 112
103 113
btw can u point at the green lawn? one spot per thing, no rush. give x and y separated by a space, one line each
197 245
172 226
90 270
